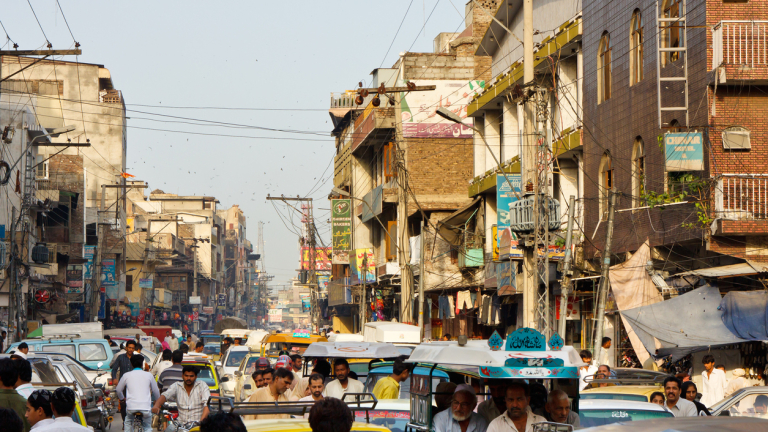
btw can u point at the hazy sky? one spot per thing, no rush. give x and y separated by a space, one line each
280 60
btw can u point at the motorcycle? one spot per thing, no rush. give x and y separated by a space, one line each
105 404
173 419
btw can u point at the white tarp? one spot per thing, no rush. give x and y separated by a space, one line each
633 287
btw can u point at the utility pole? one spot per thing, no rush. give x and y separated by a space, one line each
96 284
403 240
13 289
362 295
604 282
530 285
565 286
422 276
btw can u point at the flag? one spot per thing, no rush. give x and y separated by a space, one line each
126 175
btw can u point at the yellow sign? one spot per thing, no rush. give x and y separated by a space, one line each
495 234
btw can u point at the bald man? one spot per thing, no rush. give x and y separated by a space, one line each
558 409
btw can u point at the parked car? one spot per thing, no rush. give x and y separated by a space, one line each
90 352
688 424
742 403
599 412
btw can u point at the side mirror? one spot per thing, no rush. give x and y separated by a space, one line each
225 379
238 373
217 364
247 387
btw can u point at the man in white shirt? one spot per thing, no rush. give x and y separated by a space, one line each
605 357
39 411
295 366
172 341
460 416
713 382
518 417
137 388
586 371
316 388
163 364
23 386
343 383
62 405
678 406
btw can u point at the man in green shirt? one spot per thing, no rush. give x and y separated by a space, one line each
9 397
389 387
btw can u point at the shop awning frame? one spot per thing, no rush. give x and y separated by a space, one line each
451 227
733 270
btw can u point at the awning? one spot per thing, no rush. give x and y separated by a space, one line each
452 227
745 313
682 325
742 269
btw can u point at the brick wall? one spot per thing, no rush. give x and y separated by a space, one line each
440 166
429 66
746 107
631 112
65 173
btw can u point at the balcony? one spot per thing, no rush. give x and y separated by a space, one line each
741 47
741 204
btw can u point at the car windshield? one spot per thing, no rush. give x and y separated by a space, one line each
211 349
361 369
206 375
235 357
615 396
394 420
599 417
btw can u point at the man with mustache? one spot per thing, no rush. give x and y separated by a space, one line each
680 407
518 417
461 416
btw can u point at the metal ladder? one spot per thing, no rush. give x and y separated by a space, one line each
29 178
682 49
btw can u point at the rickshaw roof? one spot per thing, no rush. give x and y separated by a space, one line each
289 338
365 350
497 358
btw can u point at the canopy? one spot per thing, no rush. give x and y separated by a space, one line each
741 269
682 325
230 323
745 313
345 337
452 227
256 337
364 350
476 357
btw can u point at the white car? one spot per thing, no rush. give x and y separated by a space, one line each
599 412
226 368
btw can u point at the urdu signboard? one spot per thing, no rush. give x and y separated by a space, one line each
419 109
341 224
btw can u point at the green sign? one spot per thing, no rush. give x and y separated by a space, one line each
341 224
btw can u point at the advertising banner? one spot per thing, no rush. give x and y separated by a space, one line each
341 224
505 196
275 315
356 268
419 116
322 282
88 253
340 257
146 283
75 278
684 151
109 278
322 259
506 277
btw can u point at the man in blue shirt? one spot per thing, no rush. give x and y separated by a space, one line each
460 417
137 388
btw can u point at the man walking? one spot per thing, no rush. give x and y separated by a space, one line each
173 373
163 364
586 371
191 397
62 405
9 398
316 388
23 383
121 365
678 406
713 382
461 416
605 358
276 391
39 412
343 383
137 388
389 387
518 417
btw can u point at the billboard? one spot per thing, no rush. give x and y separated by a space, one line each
684 151
341 224
419 108
109 278
505 196
356 266
275 315
88 253
322 259
75 278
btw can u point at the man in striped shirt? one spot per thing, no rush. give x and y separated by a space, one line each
190 395
172 374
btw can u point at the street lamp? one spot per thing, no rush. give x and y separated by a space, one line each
453 117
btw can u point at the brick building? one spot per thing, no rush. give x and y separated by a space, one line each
382 146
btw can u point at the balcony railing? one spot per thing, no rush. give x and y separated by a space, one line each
742 197
740 43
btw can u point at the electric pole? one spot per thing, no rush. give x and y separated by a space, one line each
565 285
604 282
422 276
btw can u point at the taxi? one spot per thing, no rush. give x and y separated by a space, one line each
78 417
640 393
298 425
207 371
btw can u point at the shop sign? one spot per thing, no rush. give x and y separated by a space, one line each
341 224
75 278
364 264
208 310
505 196
684 151
146 283
88 253
322 259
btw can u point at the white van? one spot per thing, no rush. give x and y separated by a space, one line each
404 336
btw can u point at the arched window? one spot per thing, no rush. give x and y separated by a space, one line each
604 69
638 171
636 49
605 183
670 31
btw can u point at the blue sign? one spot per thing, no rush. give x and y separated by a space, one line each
534 362
88 253
556 342
525 339
529 372
222 300
495 341
109 278
684 151
504 197
102 305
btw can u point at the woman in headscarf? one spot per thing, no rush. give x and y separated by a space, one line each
738 382
689 392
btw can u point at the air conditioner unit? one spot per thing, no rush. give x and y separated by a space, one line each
471 258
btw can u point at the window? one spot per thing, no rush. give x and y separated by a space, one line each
128 282
604 69
636 49
41 169
606 183
670 31
79 376
389 161
638 171
391 240
736 138
64 349
92 352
